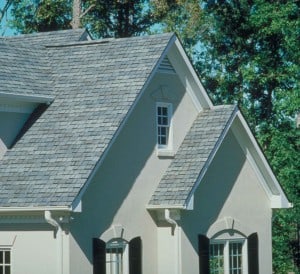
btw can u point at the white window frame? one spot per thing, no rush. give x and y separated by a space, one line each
165 149
226 253
112 265
5 264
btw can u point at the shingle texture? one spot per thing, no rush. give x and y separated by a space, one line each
182 174
94 85
25 67
46 38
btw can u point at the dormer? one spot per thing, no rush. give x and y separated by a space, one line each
17 113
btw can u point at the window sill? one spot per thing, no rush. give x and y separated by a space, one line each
165 153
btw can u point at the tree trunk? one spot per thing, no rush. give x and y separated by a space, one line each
75 23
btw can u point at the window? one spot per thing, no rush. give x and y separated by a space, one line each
116 257
5 261
227 257
164 135
229 253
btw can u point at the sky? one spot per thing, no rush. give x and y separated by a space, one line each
4 29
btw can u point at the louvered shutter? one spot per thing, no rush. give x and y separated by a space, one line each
135 256
203 246
253 265
99 256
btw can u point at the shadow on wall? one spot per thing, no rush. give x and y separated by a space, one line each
214 190
117 174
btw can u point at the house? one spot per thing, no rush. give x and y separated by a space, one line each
114 160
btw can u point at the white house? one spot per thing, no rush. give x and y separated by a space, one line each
114 160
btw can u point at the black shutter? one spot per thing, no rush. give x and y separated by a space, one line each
253 266
135 256
203 246
99 254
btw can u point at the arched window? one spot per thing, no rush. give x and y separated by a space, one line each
117 257
228 253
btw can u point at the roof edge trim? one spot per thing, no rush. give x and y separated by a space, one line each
164 206
27 98
34 209
202 96
278 199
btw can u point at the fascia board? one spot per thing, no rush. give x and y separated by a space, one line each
188 201
27 98
188 76
35 209
164 206
77 201
259 163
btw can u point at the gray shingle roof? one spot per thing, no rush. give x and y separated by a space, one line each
24 67
23 70
45 38
94 85
183 172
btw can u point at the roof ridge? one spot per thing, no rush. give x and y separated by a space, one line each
106 40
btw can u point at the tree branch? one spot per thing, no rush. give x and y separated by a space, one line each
86 11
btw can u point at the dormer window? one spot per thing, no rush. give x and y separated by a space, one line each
164 126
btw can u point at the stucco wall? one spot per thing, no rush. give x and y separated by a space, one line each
122 187
34 248
230 196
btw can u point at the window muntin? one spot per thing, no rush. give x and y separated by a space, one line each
5 261
116 257
235 258
163 121
216 260
228 257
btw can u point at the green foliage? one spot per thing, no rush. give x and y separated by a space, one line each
252 58
114 18
184 17
37 16
111 18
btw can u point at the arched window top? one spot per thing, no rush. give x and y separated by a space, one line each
116 242
228 234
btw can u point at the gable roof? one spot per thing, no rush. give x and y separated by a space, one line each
94 84
192 157
91 87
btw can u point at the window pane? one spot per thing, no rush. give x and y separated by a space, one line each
1 257
165 111
1 269
159 110
235 258
163 131
7 270
165 121
7 257
217 258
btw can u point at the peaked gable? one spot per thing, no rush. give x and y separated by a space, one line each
183 176
192 158
95 84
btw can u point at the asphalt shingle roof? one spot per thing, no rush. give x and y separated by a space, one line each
24 67
94 85
46 38
183 172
